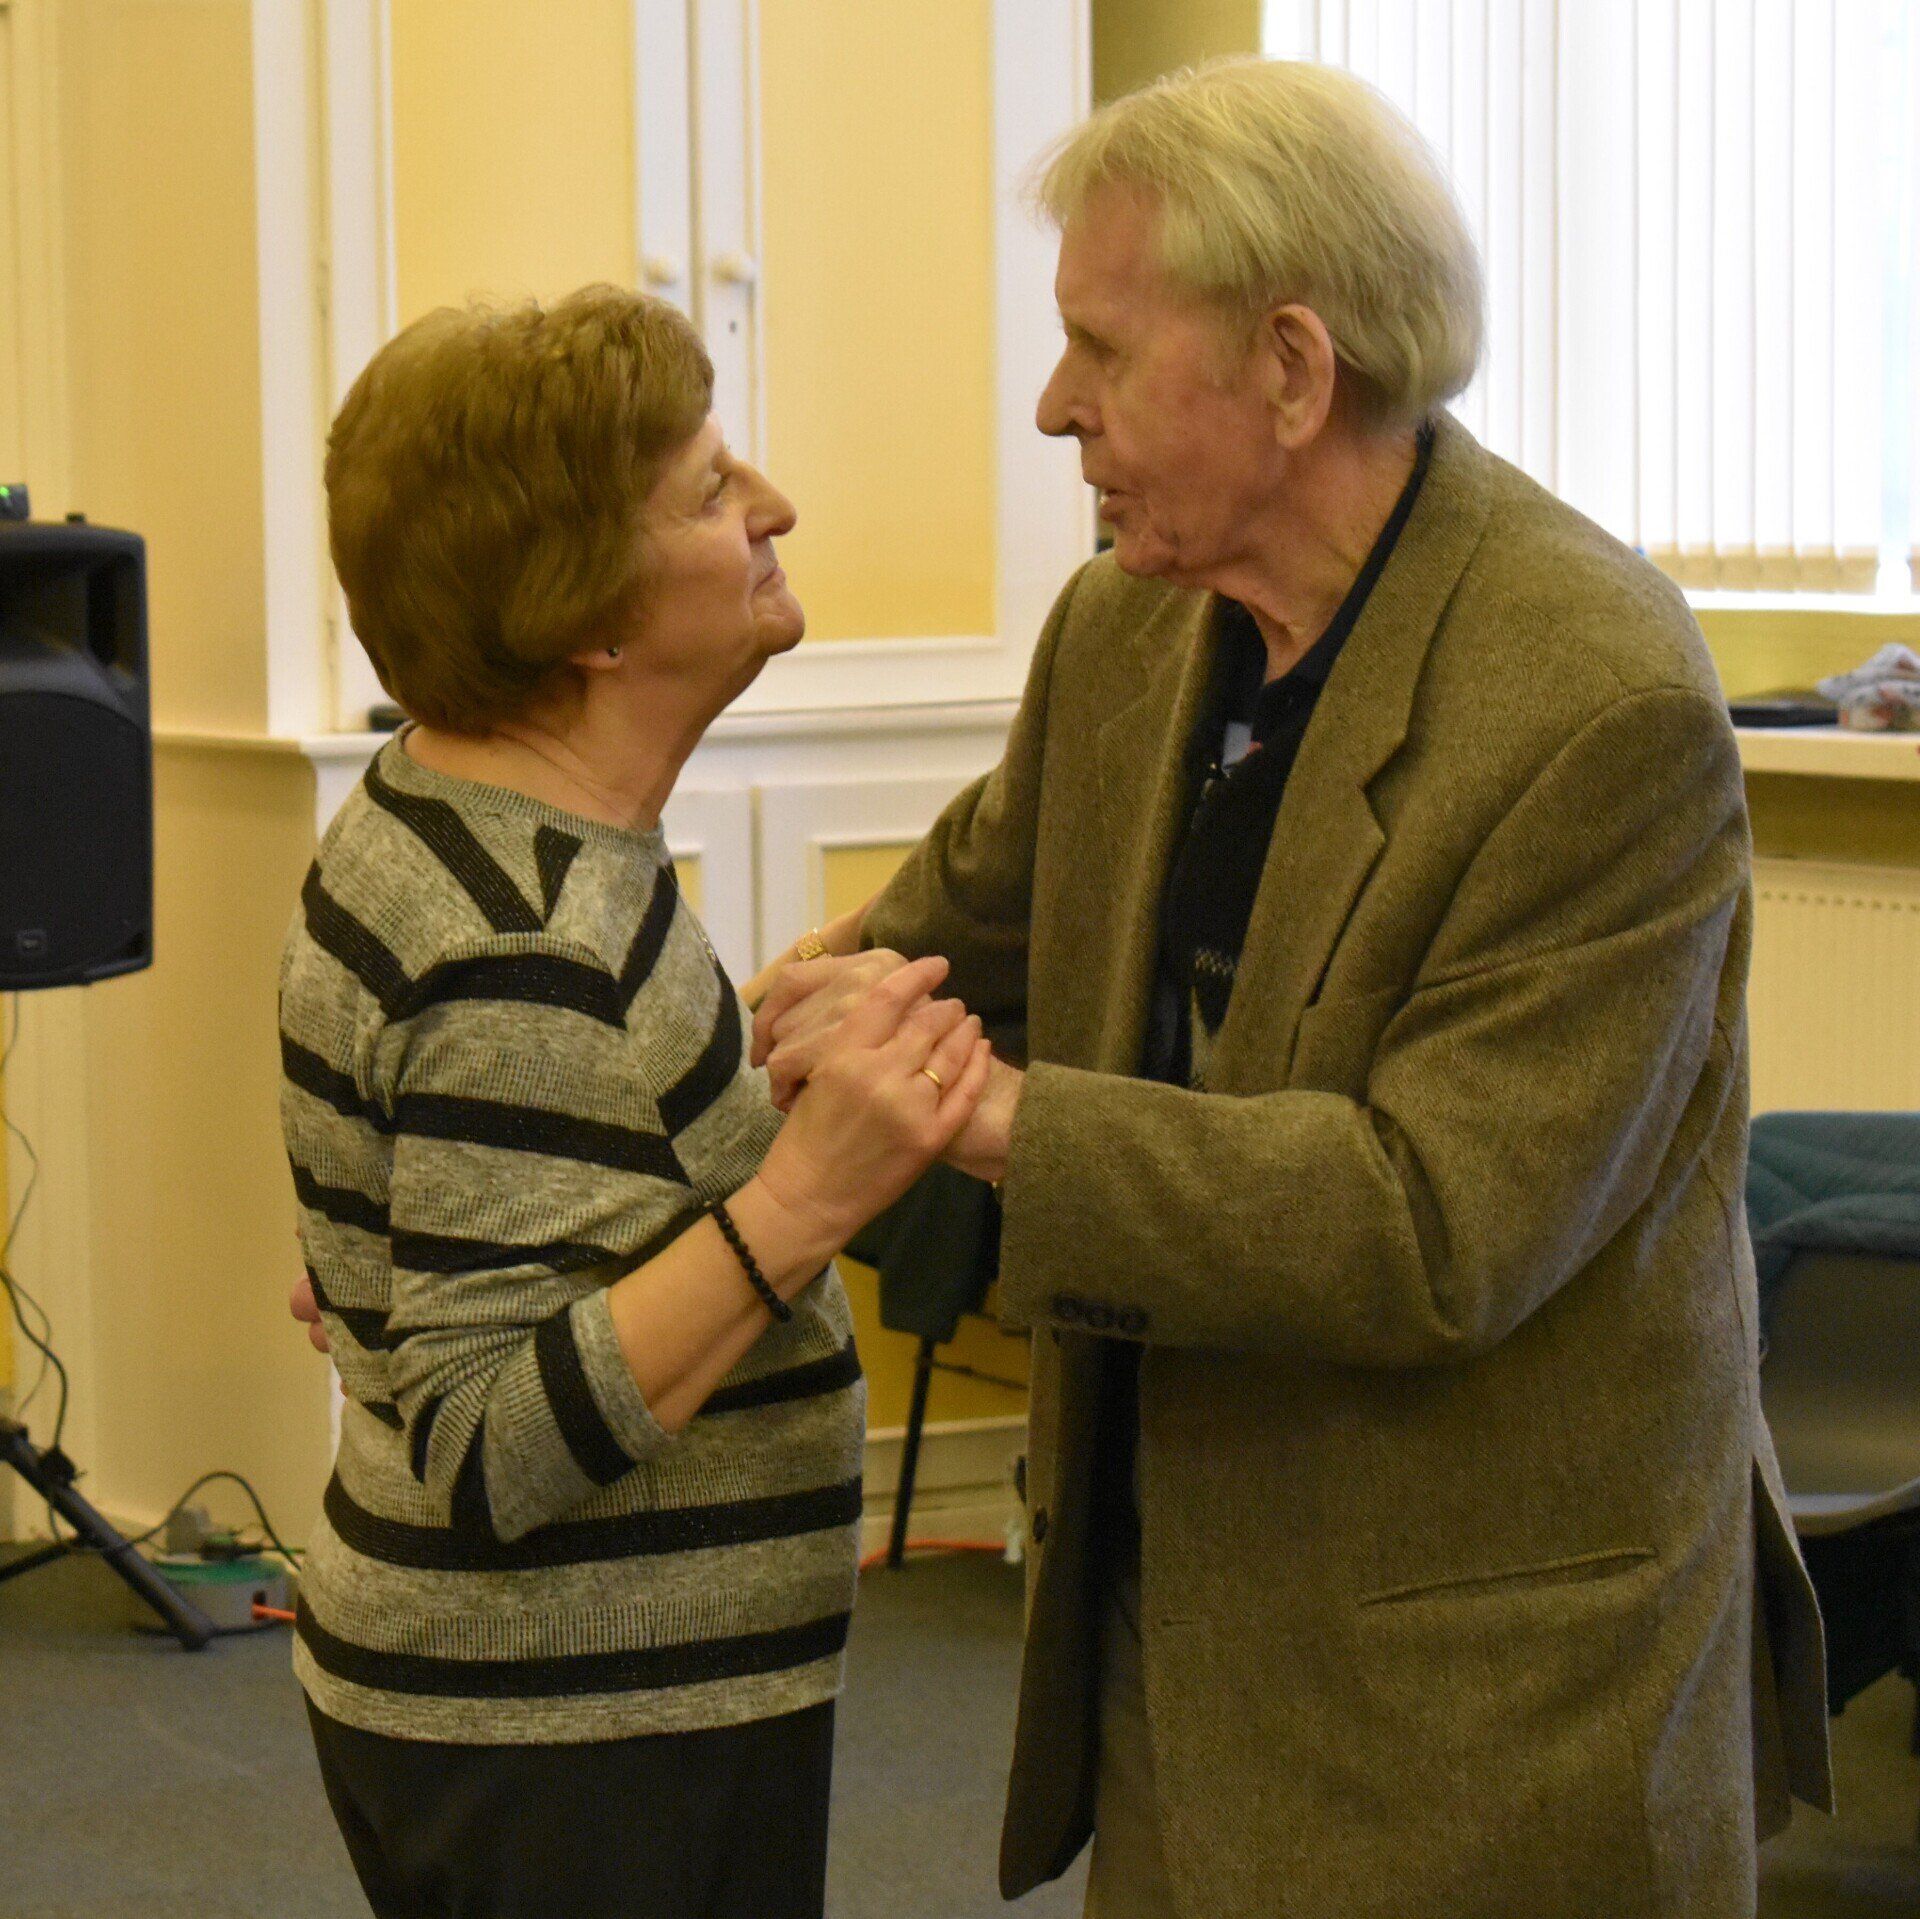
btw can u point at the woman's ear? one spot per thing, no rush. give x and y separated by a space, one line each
1298 370
597 659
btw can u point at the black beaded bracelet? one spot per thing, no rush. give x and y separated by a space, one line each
723 1219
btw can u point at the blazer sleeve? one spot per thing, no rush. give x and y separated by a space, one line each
966 890
1520 1100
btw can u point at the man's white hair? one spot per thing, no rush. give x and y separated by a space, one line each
1280 181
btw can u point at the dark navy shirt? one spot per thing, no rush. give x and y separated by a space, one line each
1242 753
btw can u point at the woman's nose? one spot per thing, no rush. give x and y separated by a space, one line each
771 514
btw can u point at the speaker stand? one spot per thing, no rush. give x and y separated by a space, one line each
51 1476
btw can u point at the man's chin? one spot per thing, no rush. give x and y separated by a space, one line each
1143 559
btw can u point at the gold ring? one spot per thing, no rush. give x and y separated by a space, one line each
939 1084
811 946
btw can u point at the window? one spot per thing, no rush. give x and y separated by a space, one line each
1697 220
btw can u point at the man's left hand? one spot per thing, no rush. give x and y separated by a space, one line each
981 1148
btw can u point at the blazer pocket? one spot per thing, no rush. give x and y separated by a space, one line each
1572 1570
1334 1048
1502 1707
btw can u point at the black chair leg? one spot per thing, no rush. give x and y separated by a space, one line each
910 1455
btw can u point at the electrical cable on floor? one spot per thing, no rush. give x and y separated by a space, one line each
17 1295
19 1299
998 1547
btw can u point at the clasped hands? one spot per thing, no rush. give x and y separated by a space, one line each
802 1021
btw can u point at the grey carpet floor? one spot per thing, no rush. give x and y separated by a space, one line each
139 1782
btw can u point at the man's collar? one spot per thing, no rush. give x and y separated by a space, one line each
1243 690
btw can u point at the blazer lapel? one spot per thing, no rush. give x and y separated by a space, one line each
1142 756
1327 837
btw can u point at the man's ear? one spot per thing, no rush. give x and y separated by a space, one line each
1298 370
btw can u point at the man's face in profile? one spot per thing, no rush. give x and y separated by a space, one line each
1160 390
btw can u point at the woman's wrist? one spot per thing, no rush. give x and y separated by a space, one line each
841 936
791 1241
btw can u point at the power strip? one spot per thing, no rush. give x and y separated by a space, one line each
227 1590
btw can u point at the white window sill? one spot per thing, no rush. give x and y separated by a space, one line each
1830 752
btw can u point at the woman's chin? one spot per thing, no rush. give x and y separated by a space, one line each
781 631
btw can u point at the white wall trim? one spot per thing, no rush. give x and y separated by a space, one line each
724 90
715 826
663 152
803 821
292 366
963 1486
360 274
760 802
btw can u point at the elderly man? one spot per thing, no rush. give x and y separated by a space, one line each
1369 861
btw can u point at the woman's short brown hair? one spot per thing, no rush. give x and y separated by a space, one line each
486 478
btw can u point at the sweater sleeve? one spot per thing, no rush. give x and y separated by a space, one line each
531 1168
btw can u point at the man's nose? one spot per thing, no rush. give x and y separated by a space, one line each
1057 412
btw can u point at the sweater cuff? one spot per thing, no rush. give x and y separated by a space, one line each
619 1400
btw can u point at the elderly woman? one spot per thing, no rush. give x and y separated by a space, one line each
571 1627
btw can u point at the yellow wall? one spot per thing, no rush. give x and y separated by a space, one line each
1759 650
512 148
156 135
1135 41
1794 816
195 1363
878 241
854 874
513 175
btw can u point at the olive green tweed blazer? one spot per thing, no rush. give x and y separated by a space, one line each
1467 1588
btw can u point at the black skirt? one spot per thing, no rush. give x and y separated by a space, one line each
729 1823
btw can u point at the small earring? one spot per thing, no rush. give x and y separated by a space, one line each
613 652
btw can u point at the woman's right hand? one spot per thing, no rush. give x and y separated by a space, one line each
869 1120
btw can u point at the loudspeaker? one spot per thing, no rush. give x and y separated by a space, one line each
76 756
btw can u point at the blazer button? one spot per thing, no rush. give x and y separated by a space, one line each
1039 1525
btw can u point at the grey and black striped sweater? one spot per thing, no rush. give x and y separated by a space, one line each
513 1069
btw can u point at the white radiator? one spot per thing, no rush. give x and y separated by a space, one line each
1834 1002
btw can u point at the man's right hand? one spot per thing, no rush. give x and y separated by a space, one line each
803 1008
306 1309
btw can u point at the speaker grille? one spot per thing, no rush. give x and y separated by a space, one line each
76 840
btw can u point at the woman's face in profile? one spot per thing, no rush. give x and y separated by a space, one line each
718 605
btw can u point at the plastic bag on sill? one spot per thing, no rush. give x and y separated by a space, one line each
1882 696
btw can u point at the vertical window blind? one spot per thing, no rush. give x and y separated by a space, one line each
1698 226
